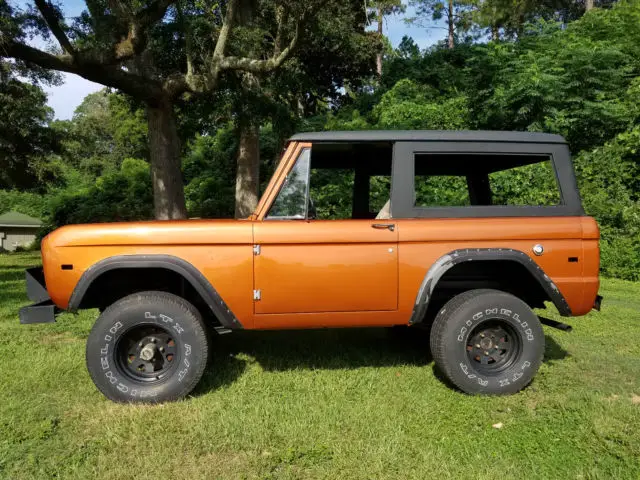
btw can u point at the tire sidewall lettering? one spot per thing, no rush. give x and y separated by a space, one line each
496 312
514 373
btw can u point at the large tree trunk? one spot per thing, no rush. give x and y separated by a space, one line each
451 24
589 4
164 148
248 174
379 55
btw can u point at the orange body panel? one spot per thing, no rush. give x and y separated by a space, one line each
325 266
220 249
326 273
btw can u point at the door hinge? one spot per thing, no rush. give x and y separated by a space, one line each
256 249
257 294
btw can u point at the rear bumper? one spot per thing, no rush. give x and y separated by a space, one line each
598 303
43 310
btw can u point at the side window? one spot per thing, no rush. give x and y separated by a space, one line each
291 202
533 184
331 192
484 179
441 191
379 192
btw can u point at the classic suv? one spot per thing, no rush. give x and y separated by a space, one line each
464 232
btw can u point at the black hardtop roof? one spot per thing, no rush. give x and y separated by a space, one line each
427 136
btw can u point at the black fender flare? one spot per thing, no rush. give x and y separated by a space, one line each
190 273
447 261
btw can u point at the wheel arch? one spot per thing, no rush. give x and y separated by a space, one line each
173 266
505 256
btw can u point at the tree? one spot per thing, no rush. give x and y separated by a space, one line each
381 9
457 14
156 51
106 128
26 137
336 54
509 18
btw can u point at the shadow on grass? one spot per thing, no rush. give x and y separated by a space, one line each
553 351
324 349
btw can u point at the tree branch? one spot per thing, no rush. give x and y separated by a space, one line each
49 15
153 13
225 31
197 83
111 76
263 66
138 25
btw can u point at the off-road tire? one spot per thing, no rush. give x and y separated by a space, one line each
466 317
114 334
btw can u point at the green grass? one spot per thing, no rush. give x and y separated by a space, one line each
324 404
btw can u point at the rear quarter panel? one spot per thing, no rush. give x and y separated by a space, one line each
423 241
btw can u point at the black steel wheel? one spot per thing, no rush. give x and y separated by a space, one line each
487 342
147 352
147 347
492 346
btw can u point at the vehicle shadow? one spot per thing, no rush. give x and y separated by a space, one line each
553 351
326 349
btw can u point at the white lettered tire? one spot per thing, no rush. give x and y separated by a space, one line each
147 347
487 342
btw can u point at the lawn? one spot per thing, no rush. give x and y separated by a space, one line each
322 404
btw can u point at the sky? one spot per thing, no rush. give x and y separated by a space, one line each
66 97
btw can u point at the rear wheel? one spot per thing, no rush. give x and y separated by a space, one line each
487 342
147 347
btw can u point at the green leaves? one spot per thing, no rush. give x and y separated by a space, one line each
411 106
26 138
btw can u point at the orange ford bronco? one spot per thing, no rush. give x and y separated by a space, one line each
466 232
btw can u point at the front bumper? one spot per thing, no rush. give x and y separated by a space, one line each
43 310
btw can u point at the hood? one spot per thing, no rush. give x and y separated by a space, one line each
165 232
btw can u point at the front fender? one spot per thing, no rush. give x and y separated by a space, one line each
190 273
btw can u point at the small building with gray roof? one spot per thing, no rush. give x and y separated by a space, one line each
17 230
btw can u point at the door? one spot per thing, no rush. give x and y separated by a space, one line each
303 265
311 266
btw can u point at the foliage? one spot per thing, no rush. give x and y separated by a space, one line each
29 203
209 171
411 106
121 195
609 179
106 128
26 138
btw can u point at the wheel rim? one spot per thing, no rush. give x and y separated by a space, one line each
493 346
146 353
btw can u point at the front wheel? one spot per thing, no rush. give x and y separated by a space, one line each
487 342
147 347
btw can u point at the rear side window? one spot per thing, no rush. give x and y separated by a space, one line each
533 184
460 180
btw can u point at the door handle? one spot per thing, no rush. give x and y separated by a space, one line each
388 226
